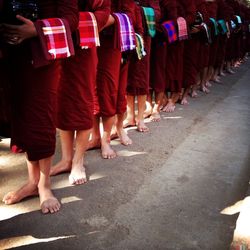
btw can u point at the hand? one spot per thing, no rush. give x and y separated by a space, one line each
15 34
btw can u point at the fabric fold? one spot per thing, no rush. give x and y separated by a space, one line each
182 29
55 38
170 31
88 30
149 15
140 49
124 33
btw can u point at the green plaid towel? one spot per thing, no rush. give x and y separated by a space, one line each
215 26
140 49
149 14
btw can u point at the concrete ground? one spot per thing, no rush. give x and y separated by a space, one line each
175 188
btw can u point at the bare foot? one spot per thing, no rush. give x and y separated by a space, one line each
77 175
147 113
49 203
27 190
184 101
107 151
230 71
155 117
194 94
94 144
61 167
128 123
205 90
141 127
208 84
170 107
125 140
222 74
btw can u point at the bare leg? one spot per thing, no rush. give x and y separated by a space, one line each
184 100
78 175
95 141
130 119
49 203
65 164
28 189
141 127
125 140
149 106
203 81
155 116
107 151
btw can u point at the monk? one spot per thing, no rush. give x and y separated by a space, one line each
112 69
34 100
159 55
185 9
138 75
76 99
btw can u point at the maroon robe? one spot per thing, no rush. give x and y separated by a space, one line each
139 70
191 50
110 97
34 90
77 84
159 52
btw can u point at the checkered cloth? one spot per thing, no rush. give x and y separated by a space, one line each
222 26
170 31
215 26
149 15
140 49
125 34
182 28
56 38
88 30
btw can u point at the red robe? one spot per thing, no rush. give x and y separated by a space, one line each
203 57
34 90
76 90
110 97
175 58
139 70
159 52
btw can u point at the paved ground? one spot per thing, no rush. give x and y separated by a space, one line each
174 188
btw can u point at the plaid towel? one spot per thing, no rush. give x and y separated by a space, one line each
222 26
149 15
215 26
170 31
140 49
88 30
125 34
56 38
182 28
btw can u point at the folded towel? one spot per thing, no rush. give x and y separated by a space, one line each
182 28
170 31
149 15
88 30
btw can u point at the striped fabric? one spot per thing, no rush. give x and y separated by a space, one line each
140 49
215 26
149 15
170 31
182 28
222 26
126 34
88 30
56 39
